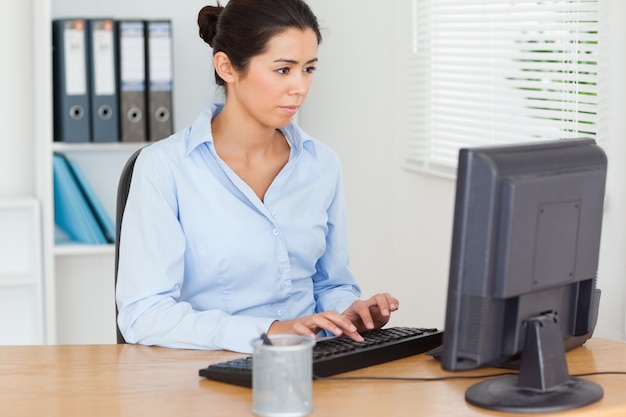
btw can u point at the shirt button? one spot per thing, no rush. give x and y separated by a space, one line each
275 231
280 313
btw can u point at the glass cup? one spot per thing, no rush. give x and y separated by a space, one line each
282 376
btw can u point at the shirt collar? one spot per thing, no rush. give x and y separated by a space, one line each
200 132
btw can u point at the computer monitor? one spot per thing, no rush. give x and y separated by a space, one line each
524 260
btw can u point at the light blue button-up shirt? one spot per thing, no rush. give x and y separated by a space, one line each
204 263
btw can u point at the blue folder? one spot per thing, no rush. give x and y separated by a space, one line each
102 217
72 212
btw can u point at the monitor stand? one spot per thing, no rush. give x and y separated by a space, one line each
543 383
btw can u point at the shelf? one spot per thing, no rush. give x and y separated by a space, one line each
79 249
91 146
17 282
21 281
17 203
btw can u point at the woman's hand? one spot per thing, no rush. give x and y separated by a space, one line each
372 313
330 321
362 315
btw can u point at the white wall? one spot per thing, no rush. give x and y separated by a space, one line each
17 170
401 221
612 271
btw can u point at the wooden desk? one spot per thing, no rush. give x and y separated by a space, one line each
139 381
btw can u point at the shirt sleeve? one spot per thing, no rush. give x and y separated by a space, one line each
151 272
335 286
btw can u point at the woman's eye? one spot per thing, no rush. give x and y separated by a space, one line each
310 70
283 71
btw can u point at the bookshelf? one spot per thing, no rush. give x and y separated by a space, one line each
21 284
79 293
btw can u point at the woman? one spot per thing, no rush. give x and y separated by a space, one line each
236 225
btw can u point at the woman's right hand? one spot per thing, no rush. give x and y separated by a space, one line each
330 321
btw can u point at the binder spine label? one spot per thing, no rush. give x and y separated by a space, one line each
103 56
160 56
132 50
75 71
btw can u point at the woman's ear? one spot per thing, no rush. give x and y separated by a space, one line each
223 67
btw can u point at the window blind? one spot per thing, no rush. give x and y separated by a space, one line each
496 72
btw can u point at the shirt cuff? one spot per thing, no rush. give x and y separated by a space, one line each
240 331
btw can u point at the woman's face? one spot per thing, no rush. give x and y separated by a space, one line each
277 81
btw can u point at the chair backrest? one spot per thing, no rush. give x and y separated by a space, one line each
123 188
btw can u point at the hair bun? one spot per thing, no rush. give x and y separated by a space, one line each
207 22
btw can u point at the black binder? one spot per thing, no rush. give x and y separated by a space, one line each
70 84
132 80
159 76
102 44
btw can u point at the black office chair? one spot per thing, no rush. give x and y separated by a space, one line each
122 194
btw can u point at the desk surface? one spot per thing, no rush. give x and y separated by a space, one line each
137 381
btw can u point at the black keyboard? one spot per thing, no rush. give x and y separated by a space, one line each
341 354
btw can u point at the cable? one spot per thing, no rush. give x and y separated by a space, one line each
444 378
391 378
601 373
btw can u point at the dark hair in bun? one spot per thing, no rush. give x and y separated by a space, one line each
242 28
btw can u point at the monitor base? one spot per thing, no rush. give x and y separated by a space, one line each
543 383
504 394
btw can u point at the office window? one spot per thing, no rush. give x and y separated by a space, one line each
494 71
